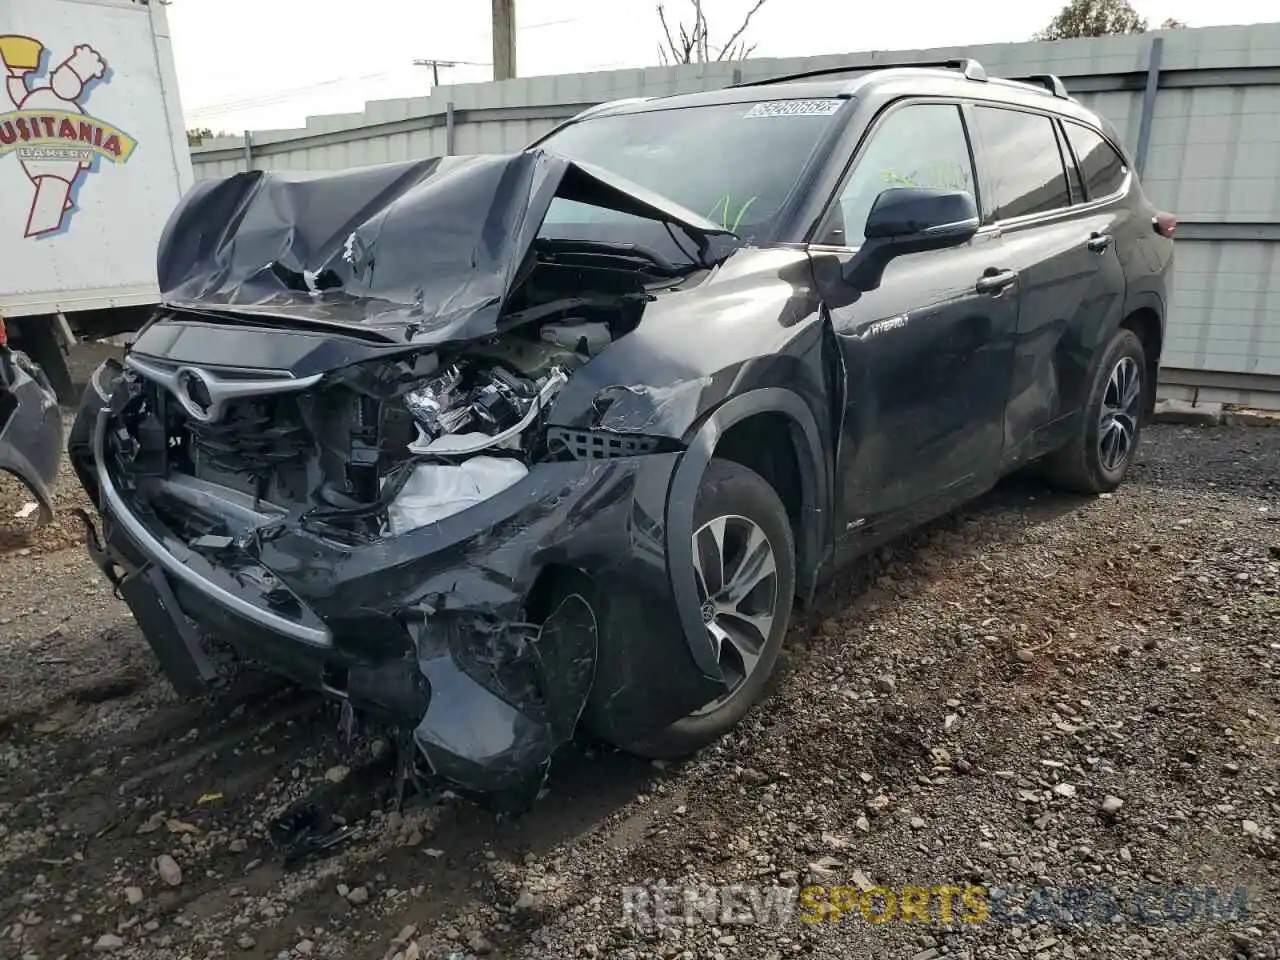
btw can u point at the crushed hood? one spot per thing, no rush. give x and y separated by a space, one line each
418 251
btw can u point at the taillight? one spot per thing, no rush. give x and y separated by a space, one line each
1166 224
4 334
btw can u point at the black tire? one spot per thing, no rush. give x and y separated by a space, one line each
731 490
1081 466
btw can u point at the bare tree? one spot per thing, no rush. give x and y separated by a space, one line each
198 135
1093 18
692 43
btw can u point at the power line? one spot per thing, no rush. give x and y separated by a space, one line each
284 96
548 23
456 63
229 106
435 66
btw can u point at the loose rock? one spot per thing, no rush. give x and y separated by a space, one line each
168 870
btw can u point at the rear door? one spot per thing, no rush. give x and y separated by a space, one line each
1062 245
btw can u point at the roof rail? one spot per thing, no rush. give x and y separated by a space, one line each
600 107
1050 81
972 70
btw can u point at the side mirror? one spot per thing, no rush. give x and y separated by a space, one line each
910 220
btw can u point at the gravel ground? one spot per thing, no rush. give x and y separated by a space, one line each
21 534
1039 691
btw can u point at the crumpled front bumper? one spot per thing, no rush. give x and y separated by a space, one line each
430 629
30 428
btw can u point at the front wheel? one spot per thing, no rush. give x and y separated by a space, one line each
744 561
1105 443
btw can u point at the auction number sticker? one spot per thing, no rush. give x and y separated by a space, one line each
795 108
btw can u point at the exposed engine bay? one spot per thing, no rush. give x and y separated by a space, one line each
381 449
487 399
484 402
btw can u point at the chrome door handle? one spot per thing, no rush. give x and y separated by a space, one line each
996 280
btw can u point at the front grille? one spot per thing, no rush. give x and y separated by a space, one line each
254 437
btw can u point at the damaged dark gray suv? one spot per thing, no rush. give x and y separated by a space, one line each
495 447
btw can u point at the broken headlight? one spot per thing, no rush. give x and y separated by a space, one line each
437 405
464 410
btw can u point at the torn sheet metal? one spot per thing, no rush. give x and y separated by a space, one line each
425 251
30 428
505 696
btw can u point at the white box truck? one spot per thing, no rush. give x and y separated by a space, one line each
93 159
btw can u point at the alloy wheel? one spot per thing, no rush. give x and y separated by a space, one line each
737 576
1118 421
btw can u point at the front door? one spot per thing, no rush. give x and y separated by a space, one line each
927 355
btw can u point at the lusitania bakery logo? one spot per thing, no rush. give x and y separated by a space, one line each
57 141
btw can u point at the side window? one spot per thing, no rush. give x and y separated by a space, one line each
1023 162
1102 168
923 145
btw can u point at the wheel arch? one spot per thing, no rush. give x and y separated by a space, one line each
1145 317
781 409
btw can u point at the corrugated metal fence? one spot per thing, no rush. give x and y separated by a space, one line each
1200 109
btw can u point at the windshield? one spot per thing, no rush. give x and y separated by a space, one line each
734 163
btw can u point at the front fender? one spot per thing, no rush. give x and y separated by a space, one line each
687 478
751 322
744 339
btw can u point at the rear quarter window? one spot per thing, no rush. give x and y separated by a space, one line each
1103 170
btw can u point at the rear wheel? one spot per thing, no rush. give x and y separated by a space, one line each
1106 440
744 562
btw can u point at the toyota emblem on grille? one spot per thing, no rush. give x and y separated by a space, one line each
193 390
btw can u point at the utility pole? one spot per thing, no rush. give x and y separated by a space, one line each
435 66
504 39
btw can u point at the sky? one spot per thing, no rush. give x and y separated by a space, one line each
265 64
